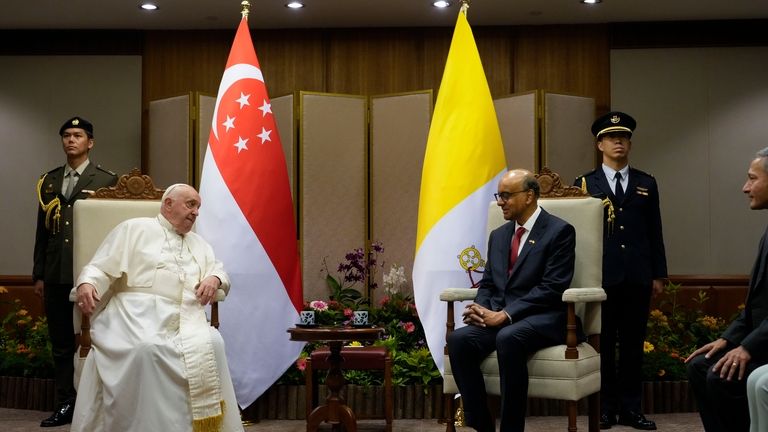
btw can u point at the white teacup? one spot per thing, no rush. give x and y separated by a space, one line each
360 318
307 318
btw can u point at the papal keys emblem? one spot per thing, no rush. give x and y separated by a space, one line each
471 260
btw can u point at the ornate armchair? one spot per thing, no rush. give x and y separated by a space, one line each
133 196
572 371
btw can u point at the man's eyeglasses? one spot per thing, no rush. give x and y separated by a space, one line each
505 196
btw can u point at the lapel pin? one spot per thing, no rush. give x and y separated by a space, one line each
532 241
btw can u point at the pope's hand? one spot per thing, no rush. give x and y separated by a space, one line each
206 290
87 297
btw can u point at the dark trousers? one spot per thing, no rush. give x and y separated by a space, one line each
722 404
58 311
624 321
469 346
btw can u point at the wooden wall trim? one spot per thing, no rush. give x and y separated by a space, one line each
16 280
711 280
72 42
687 34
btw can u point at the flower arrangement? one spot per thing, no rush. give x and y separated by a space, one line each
330 313
674 332
24 343
395 312
358 266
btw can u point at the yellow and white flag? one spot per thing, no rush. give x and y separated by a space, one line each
463 163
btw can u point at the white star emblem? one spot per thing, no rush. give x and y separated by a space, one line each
243 100
266 108
229 124
241 144
264 135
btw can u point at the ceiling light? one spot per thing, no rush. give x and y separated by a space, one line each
591 1
294 5
148 6
441 4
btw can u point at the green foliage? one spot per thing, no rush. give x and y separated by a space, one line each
395 313
674 332
24 343
339 293
414 367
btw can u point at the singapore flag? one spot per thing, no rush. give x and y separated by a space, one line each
247 216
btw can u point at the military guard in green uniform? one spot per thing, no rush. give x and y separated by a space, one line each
634 267
57 191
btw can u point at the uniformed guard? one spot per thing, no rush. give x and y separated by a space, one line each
634 267
57 191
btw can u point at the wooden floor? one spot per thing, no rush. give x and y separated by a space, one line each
23 421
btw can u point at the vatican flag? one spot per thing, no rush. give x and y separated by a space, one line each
463 164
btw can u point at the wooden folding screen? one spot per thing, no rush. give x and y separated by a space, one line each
540 129
399 128
333 136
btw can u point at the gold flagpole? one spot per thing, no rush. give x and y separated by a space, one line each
246 8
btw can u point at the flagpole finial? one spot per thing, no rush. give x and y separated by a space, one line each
246 8
464 6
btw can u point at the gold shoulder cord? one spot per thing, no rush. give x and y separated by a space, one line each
52 209
606 203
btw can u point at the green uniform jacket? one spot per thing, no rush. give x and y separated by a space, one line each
53 244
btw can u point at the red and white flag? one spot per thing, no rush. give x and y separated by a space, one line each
247 216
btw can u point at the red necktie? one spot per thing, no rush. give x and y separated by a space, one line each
515 246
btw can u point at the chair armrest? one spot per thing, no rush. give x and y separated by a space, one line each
458 294
583 295
220 295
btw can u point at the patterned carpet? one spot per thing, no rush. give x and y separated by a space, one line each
23 421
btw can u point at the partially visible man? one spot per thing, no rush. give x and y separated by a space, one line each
518 309
718 377
634 268
155 363
57 191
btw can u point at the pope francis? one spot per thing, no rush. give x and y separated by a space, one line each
155 363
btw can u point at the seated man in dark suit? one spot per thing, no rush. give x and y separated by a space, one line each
518 309
719 377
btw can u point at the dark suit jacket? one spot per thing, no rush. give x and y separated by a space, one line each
750 328
53 251
633 248
542 272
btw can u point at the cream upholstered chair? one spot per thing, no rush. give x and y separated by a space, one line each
133 196
572 371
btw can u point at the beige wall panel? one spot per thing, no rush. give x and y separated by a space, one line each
701 118
283 109
568 145
333 140
204 105
519 130
399 130
170 151
38 94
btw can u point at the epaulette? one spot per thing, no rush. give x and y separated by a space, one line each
50 172
98 167
641 172
587 174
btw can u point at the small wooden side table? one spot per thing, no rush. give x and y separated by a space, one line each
335 409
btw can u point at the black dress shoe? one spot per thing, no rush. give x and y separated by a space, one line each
636 420
607 420
62 416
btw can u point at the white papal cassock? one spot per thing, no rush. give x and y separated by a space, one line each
155 363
